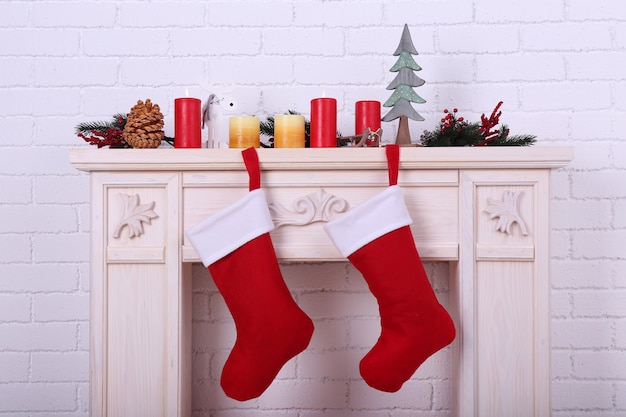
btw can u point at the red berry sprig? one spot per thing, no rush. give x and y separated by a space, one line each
487 124
109 137
450 120
108 133
453 131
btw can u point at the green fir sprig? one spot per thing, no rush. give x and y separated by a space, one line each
118 122
456 131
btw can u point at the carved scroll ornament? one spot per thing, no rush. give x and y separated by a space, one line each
507 212
134 216
315 207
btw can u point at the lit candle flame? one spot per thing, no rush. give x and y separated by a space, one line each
186 92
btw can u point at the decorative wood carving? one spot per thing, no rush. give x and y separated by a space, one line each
135 215
507 212
316 207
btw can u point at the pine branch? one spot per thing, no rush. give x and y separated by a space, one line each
118 122
267 127
169 140
516 140
457 132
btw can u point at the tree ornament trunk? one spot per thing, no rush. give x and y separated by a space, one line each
403 138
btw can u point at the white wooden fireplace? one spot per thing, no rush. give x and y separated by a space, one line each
483 210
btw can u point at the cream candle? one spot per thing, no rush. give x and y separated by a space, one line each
244 132
289 131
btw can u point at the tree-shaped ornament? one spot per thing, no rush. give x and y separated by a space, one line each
402 84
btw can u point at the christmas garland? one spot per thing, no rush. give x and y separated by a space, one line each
103 134
453 131
108 133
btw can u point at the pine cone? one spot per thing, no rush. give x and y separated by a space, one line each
144 127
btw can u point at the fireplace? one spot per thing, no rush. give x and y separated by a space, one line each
485 211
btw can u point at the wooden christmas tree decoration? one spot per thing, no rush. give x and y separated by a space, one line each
402 84
144 127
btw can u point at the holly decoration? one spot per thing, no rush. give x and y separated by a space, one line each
103 134
456 131
109 133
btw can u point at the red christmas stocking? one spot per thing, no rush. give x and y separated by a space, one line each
236 247
375 236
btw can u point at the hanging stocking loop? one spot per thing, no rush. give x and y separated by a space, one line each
251 159
393 162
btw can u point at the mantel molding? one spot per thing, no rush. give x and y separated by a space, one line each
320 158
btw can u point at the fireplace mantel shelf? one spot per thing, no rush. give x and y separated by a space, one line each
499 264
170 159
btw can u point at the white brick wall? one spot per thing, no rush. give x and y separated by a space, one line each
558 65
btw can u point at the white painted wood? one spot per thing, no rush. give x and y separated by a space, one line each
141 282
462 306
431 196
502 297
314 207
504 337
139 298
512 252
148 254
319 158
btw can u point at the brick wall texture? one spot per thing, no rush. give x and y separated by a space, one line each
559 66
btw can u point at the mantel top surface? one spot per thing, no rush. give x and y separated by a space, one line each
321 158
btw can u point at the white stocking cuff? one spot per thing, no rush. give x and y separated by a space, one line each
369 220
231 227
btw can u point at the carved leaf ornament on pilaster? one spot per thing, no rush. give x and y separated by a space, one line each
134 216
315 207
507 212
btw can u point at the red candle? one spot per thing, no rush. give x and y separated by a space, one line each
323 129
187 123
367 115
